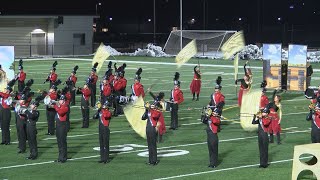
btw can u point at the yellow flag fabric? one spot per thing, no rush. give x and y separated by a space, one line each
133 113
236 64
101 55
233 45
186 53
249 107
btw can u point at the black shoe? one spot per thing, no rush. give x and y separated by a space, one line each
21 152
31 158
197 99
7 143
263 166
100 161
279 143
63 161
155 163
107 161
3 143
212 166
148 163
193 99
57 160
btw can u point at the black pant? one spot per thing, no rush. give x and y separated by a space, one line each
85 112
5 124
152 143
263 141
73 97
93 89
308 81
32 138
21 86
104 136
315 133
213 141
61 133
174 116
68 119
22 133
51 113
1 108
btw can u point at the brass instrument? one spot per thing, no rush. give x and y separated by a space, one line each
98 105
48 101
10 100
19 109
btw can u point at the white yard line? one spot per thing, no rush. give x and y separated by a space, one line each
225 169
168 147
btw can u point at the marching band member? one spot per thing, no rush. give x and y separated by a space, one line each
162 128
52 77
21 76
92 82
104 133
32 118
217 98
137 87
108 74
22 124
263 121
61 128
71 82
5 116
66 92
245 83
105 91
276 114
119 86
315 123
176 99
264 101
152 115
195 85
50 112
213 123
86 93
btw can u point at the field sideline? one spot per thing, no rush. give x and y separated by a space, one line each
238 150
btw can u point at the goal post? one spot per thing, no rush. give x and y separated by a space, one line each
208 42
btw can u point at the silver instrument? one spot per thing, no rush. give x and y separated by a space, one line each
19 109
48 101
8 101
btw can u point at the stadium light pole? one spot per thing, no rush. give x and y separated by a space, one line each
180 24
154 21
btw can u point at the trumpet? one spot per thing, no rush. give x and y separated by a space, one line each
10 100
48 101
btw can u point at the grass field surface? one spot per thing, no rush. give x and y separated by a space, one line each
238 150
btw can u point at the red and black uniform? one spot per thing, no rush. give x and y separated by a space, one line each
53 77
217 100
86 93
93 88
263 140
315 126
110 79
72 84
137 89
105 91
104 134
212 139
119 87
162 128
61 130
176 98
22 128
68 101
195 85
51 114
21 78
264 101
5 118
152 116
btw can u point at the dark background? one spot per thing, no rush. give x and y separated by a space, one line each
259 18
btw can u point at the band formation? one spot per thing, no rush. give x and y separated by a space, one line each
113 97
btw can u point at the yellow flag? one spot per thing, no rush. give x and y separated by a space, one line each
101 55
186 53
233 45
133 113
235 63
249 106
